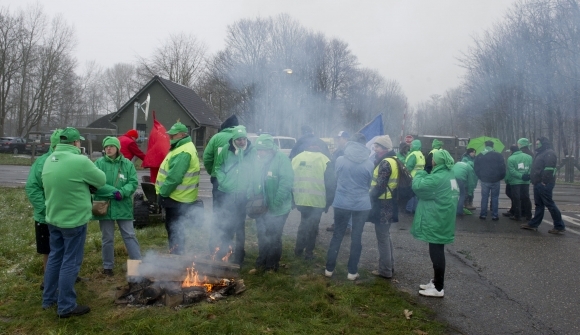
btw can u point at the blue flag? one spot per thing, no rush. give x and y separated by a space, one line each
373 128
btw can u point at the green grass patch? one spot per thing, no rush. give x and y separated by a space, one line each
10 159
298 299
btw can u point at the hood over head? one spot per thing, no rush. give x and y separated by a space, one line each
436 144
415 145
265 142
443 157
239 131
356 152
132 133
523 142
55 137
544 144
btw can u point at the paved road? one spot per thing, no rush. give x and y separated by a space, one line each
499 278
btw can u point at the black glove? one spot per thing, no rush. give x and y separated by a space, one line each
92 189
526 177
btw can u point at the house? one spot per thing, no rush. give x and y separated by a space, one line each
171 102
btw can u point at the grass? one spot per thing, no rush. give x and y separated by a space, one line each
10 159
296 300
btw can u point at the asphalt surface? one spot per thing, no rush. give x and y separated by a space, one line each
499 279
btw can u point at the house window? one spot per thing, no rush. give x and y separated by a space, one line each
142 130
199 137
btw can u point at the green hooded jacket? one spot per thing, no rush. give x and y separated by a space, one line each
438 193
178 166
35 189
233 165
411 158
66 177
214 147
121 176
518 164
276 176
464 171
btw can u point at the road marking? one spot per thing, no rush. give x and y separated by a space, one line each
571 220
567 229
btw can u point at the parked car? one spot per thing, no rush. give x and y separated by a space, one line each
14 145
285 143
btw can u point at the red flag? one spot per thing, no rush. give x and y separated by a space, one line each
157 148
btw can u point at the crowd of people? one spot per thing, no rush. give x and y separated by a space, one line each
258 180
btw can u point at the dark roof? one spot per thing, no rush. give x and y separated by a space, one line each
103 122
186 98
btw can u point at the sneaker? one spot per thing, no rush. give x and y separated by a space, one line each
331 228
376 273
495 218
528 227
482 217
352 276
432 292
108 272
348 231
556 231
328 273
79 310
427 286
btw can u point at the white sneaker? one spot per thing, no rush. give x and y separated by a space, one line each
427 286
328 273
432 292
352 276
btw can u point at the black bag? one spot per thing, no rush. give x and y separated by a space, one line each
404 189
256 206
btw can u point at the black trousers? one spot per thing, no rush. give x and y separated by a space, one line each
307 230
269 229
231 214
509 194
437 254
521 203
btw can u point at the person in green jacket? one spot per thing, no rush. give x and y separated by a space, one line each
210 154
469 156
403 152
273 177
466 180
121 184
233 166
67 177
177 185
435 145
434 220
415 162
35 193
518 165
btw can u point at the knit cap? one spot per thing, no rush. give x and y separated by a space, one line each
239 132
385 141
110 140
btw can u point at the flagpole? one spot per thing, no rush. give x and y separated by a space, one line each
404 120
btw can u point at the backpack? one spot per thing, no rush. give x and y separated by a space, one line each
404 190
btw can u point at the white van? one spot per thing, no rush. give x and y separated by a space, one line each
285 143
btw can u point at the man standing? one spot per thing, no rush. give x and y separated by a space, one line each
543 178
466 181
415 162
233 170
35 193
518 165
67 176
490 169
436 145
177 184
313 191
306 140
129 147
403 152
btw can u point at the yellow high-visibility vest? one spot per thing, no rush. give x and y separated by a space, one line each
309 189
420 162
393 179
186 191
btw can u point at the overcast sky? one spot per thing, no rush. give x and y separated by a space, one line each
416 42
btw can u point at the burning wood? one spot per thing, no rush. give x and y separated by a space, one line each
175 280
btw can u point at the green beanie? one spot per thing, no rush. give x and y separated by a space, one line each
238 132
264 142
437 144
523 142
55 137
110 140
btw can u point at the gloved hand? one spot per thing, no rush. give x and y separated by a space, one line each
92 189
118 196
526 177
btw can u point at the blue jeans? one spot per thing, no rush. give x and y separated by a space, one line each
486 190
462 194
67 247
341 219
385 246
543 199
108 240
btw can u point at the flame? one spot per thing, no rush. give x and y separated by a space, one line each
215 253
227 256
192 279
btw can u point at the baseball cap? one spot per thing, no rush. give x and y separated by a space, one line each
69 135
343 133
177 128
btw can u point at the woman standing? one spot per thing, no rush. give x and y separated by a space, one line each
119 189
434 220
274 178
